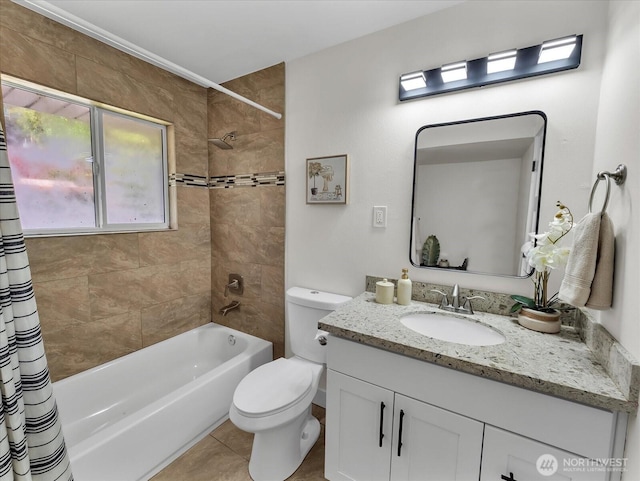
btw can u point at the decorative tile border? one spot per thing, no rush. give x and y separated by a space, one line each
229 181
246 180
187 179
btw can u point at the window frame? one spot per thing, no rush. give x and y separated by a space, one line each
96 111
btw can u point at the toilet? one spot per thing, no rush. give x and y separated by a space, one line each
274 400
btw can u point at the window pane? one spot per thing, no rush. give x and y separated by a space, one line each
134 171
49 148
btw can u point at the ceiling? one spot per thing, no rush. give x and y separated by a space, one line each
224 39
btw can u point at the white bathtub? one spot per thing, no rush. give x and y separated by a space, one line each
129 418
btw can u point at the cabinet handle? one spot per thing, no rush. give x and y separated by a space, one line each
508 478
381 423
400 431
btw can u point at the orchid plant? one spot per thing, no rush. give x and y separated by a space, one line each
544 254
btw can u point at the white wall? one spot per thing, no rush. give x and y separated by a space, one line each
618 141
344 100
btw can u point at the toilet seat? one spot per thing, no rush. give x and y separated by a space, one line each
272 388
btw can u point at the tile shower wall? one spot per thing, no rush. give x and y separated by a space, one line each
247 197
103 296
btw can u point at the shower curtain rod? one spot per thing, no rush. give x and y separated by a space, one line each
82 26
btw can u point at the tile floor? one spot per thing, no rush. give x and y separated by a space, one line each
224 456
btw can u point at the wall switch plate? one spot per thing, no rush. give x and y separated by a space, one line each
379 216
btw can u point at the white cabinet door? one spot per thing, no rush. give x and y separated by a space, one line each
358 429
431 444
507 456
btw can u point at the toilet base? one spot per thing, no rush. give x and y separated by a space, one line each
278 452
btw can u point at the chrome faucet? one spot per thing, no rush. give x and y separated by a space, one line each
229 307
454 305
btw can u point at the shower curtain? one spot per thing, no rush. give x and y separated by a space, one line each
31 442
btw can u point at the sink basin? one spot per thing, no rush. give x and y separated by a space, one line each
452 329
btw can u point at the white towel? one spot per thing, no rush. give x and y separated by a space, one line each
591 258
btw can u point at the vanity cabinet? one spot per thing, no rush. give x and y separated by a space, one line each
392 417
377 434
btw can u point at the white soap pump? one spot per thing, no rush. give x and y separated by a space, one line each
404 288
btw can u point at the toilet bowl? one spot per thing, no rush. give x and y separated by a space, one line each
274 400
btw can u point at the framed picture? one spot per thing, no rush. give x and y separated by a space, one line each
328 180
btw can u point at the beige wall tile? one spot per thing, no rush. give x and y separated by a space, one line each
63 301
194 276
189 241
37 27
36 61
230 114
114 293
249 244
236 206
167 319
272 285
104 84
76 256
190 119
79 346
272 206
193 205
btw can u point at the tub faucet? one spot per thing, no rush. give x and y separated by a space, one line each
229 307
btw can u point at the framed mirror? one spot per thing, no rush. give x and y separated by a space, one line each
476 193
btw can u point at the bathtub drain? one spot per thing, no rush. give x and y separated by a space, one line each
232 339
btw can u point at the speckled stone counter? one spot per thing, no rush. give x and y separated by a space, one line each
556 364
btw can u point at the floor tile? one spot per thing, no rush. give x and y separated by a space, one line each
209 460
224 456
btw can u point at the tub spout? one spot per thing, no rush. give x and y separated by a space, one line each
229 307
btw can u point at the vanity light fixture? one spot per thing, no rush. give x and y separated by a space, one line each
559 49
548 57
453 72
412 81
501 61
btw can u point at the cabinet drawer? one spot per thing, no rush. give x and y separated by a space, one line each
508 456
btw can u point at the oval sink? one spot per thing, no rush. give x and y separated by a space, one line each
452 329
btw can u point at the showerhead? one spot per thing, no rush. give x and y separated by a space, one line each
222 143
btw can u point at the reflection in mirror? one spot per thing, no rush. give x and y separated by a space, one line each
476 190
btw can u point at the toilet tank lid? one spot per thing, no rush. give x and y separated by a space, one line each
315 299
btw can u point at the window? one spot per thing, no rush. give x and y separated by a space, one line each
81 168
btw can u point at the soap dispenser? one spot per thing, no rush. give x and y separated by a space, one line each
404 288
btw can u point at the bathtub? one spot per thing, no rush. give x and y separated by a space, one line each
129 418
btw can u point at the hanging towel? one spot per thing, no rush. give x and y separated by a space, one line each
581 265
588 279
602 286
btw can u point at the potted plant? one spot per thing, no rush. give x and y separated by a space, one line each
539 312
314 171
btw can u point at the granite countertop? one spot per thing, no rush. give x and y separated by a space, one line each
556 364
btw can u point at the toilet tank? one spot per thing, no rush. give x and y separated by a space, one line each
305 307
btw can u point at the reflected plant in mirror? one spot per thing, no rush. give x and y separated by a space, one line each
476 188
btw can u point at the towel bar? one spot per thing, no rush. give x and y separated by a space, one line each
619 176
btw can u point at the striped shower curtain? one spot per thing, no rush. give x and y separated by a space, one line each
31 442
